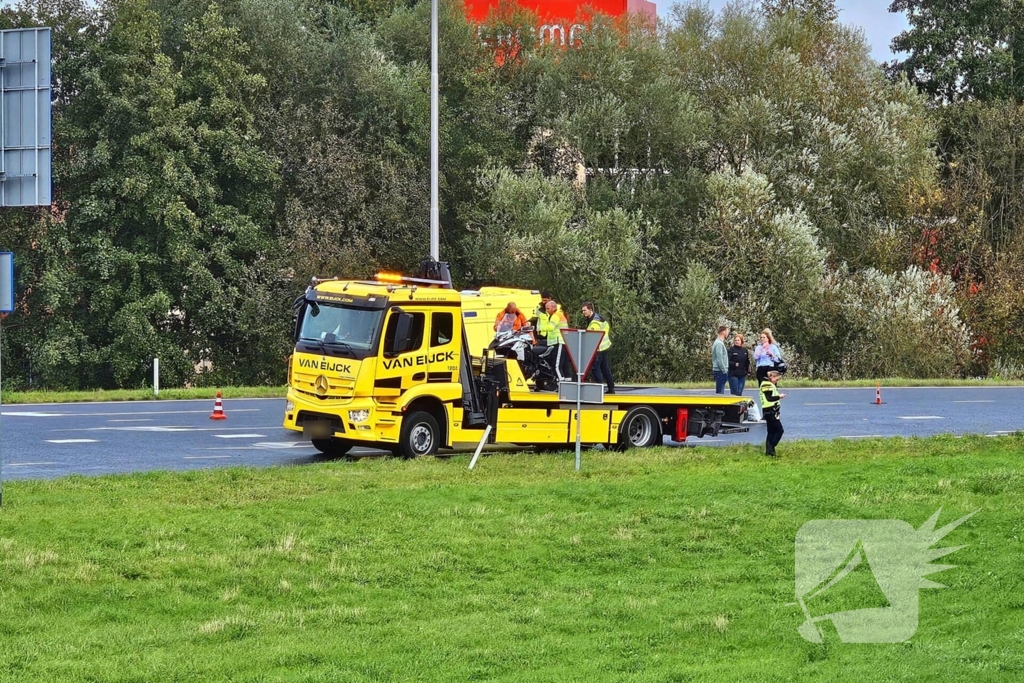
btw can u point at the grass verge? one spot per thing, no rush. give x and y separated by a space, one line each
656 565
21 397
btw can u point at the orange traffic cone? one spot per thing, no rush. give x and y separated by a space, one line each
218 409
878 394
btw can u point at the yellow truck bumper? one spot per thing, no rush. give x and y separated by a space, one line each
358 420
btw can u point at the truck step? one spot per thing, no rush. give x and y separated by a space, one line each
733 430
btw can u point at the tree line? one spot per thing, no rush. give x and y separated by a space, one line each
752 166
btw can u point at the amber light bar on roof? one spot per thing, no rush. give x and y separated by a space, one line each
398 278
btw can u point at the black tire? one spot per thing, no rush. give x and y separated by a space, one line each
332 448
420 436
641 428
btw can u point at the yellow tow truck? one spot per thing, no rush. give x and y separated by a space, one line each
387 363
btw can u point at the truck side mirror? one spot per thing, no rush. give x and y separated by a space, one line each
302 304
399 335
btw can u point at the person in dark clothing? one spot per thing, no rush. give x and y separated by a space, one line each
739 366
770 399
601 370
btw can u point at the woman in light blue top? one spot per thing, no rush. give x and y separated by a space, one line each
766 355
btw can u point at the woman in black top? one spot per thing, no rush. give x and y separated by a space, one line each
739 365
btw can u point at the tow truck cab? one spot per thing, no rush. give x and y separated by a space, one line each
387 363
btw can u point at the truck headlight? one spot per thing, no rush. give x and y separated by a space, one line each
289 407
359 415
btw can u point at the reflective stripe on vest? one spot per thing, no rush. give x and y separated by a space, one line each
551 326
765 401
603 326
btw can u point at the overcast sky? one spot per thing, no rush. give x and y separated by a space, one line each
879 26
872 16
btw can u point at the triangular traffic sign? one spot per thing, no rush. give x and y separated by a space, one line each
582 346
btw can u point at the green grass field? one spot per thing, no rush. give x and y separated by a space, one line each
659 565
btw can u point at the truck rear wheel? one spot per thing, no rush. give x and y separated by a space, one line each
332 448
639 429
420 436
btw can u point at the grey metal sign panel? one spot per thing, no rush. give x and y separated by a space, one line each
6 282
588 393
25 133
582 346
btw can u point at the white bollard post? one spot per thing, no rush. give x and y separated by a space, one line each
156 376
480 447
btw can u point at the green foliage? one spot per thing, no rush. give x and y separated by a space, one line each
970 60
750 166
768 254
540 232
962 51
166 203
821 13
906 322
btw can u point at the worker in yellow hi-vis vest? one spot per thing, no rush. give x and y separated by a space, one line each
601 370
549 327
770 399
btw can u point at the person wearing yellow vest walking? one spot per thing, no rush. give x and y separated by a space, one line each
600 370
549 328
770 399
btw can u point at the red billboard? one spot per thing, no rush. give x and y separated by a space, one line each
565 10
561 22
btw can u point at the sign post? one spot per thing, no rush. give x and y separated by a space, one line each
6 306
582 346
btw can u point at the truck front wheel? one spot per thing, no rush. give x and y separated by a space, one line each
639 429
420 436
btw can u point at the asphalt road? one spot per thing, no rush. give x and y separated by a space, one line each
54 440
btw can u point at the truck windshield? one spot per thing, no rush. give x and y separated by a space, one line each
339 330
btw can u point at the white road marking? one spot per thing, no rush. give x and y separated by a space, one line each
144 419
205 457
985 401
264 446
29 414
921 417
137 412
824 404
71 441
240 436
159 428
30 464
863 436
